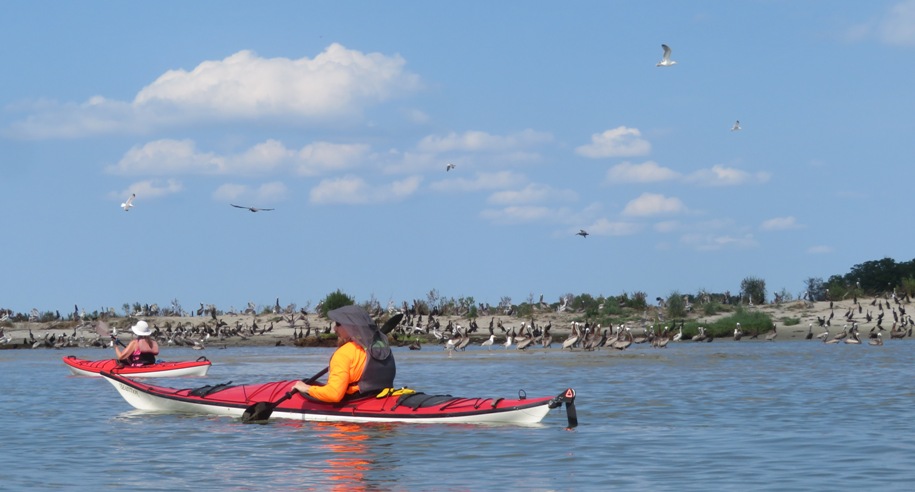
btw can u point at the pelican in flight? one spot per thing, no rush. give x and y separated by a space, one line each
582 233
253 209
666 61
736 126
449 167
129 203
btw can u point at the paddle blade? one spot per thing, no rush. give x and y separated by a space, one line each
391 323
258 413
102 329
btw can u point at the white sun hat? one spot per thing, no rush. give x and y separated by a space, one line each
141 329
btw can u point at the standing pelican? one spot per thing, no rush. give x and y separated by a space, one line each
771 336
876 341
573 337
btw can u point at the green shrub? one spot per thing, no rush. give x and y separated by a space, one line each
676 306
334 300
751 322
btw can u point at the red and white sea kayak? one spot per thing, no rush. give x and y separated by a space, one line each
404 406
162 369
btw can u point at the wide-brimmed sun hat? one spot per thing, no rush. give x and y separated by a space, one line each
141 329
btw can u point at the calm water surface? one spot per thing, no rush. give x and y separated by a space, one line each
792 415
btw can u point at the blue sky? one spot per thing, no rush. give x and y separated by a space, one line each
342 116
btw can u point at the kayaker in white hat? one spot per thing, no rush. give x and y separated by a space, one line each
142 350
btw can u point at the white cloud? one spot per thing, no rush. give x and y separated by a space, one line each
712 242
667 226
480 182
268 193
478 141
168 157
337 83
521 214
245 85
182 157
532 193
321 157
353 190
653 204
604 227
895 27
725 176
618 142
646 172
149 189
780 224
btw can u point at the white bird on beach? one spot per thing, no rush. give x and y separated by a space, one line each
666 61
488 343
129 203
736 126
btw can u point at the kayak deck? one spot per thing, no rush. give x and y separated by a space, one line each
231 401
94 368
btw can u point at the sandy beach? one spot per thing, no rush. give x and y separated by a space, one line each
291 329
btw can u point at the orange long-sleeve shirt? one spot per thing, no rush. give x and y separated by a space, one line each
346 367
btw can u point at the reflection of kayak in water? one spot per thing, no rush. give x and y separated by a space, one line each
390 406
162 369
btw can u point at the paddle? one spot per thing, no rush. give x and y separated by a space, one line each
103 331
260 412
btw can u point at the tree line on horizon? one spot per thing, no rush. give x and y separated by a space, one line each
871 278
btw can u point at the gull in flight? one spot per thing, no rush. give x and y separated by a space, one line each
449 167
582 233
253 209
129 203
666 61
736 126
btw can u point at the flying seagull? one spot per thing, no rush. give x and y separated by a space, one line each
129 203
736 126
666 61
449 167
582 233
253 209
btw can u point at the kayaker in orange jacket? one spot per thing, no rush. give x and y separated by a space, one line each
363 362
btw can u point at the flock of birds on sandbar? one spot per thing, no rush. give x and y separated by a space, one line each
585 336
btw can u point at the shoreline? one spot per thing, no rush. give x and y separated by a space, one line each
290 329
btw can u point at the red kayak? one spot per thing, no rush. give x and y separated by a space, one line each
162 369
402 405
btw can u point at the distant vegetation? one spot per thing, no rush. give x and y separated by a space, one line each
884 277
